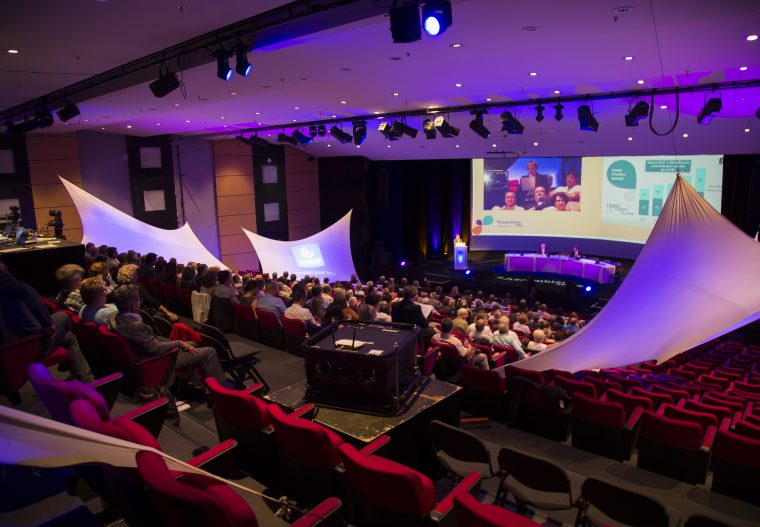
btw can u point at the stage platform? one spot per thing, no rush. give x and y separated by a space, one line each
487 274
36 264
410 444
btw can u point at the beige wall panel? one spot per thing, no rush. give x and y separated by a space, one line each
47 172
235 205
297 181
231 225
51 196
299 164
233 185
73 235
242 262
235 244
298 233
231 147
233 166
47 147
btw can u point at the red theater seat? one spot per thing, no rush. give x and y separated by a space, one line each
603 427
736 466
472 513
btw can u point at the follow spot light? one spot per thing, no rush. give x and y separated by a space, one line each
436 16
387 130
477 126
340 135
444 128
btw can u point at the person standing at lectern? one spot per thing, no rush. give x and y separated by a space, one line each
458 239
542 249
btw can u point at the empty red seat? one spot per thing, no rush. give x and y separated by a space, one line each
656 398
604 428
511 371
572 387
736 466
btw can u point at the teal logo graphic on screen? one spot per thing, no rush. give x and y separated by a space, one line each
308 255
622 174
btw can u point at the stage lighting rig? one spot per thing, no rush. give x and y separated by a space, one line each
360 132
558 111
68 112
242 66
429 128
340 135
510 124
400 127
313 131
477 126
444 128
282 138
321 130
166 83
301 138
223 70
712 106
43 118
540 113
637 113
388 132
586 120
405 22
436 16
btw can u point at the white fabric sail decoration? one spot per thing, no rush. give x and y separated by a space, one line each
695 279
325 254
102 223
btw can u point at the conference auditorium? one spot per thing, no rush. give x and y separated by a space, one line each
471 263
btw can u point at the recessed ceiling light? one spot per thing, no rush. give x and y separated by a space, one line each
493 145
358 146
685 135
535 144
458 85
13 51
129 126
746 130
187 120
628 58
294 120
640 81
456 45
329 145
258 113
158 124
177 104
345 102
488 99
334 116
743 68
389 146
102 127
233 93
663 107
533 73
296 108
221 117
457 146
750 38
395 94
630 138
377 113
556 92
87 120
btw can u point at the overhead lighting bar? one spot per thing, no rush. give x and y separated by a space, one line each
586 120
637 113
711 107
477 126
510 124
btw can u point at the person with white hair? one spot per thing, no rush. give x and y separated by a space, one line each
537 344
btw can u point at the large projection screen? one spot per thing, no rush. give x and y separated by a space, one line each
610 203
325 254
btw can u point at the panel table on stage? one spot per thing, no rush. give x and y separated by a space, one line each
600 272
431 399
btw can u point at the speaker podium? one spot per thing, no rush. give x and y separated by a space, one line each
460 256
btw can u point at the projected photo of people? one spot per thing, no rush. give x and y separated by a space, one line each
532 184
